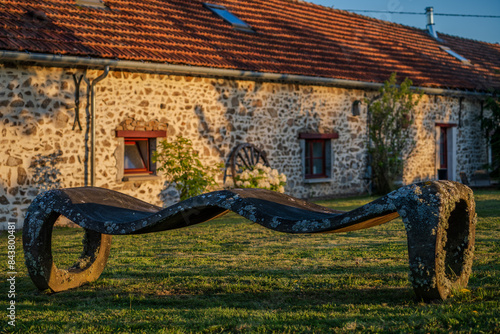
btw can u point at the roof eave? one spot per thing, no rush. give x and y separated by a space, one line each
52 60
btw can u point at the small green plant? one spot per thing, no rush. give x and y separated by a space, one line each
260 176
180 164
390 132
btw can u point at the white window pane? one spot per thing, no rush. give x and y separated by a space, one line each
133 158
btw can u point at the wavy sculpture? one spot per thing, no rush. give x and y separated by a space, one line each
439 219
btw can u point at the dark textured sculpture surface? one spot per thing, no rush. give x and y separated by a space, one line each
439 219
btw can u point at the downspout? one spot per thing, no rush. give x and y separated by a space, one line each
92 124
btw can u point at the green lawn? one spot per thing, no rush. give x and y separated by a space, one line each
230 275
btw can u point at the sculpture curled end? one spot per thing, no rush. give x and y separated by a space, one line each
37 235
440 221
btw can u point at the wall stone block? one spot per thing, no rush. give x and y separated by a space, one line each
12 161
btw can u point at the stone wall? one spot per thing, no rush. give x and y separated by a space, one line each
40 150
470 149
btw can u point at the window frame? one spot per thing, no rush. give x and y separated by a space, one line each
446 140
307 141
224 13
150 137
146 159
310 157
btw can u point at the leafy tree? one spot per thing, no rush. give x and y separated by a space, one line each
390 131
182 167
491 126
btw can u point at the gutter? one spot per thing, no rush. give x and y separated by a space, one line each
165 68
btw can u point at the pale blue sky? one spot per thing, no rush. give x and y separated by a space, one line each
483 29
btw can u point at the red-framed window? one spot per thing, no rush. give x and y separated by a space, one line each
138 150
316 154
315 158
136 158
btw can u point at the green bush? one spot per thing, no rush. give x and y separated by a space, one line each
180 164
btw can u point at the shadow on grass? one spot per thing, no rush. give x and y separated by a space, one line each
111 308
141 272
271 289
112 297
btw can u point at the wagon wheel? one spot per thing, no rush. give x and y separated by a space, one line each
245 156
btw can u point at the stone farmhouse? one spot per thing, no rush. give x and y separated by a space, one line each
88 87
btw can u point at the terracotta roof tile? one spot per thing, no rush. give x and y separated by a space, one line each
292 37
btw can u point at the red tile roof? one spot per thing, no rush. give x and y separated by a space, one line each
292 37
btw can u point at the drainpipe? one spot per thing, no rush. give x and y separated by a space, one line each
92 124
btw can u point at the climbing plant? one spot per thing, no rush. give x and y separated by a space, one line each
180 163
390 131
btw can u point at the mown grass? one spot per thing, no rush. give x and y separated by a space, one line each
230 275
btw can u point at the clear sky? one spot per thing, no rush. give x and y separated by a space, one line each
482 29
